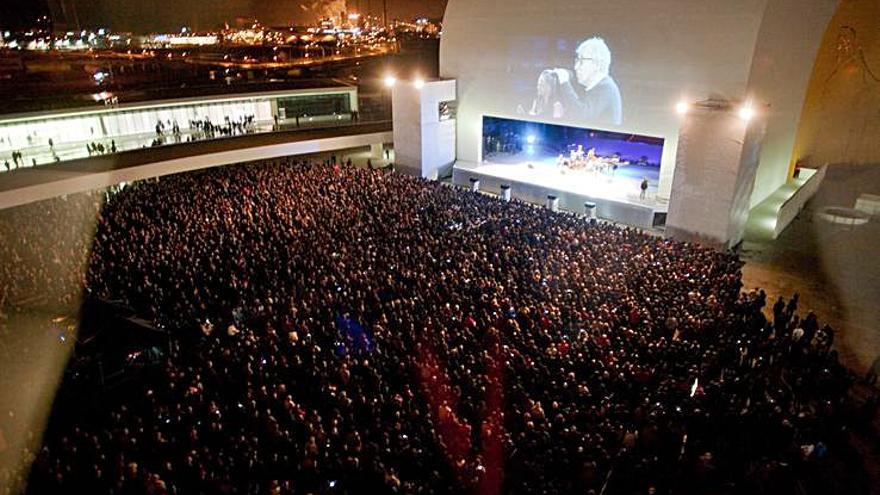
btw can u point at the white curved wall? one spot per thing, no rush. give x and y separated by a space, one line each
785 54
841 119
662 52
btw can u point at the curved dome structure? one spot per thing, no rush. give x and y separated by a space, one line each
657 54
841 120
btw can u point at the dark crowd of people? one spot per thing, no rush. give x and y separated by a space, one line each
44 250
338 330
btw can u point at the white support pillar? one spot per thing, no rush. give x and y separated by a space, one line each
590 210
475 184
718 151
505 192
273 103
424 145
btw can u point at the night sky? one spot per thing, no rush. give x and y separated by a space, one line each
20 13
162 15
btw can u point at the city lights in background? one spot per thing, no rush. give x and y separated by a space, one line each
346 34
44 40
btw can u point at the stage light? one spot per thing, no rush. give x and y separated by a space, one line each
419 83
390 81
681 107
531 139
746 113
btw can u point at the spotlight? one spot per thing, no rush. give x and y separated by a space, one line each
681 107
390 81
746 113
419 83
531 139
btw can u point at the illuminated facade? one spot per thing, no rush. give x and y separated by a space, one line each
662 53
635 67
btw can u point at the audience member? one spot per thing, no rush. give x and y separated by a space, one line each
338 330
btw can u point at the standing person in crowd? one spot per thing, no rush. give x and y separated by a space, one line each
334 330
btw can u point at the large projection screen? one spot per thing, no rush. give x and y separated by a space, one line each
615 65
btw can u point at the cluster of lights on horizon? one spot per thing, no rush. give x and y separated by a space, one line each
352 29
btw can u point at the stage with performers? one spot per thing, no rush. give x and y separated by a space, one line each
618 173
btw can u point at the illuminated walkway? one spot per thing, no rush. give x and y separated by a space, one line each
78 150
37 183
57 136
761 224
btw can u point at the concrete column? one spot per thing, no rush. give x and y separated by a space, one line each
475 184
505 192
424 146
717 159
273 103
590 210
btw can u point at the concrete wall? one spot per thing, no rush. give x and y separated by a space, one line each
717 160
779 77
406 111
841 114
424 146
619 211
662 52
793 206
438 137
753 145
